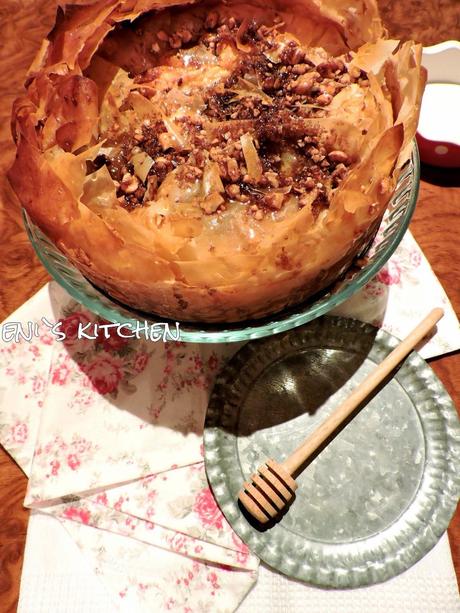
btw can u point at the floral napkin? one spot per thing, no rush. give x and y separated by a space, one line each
112 444
109 432
88 570
116 409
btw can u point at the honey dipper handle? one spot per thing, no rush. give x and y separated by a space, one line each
364 389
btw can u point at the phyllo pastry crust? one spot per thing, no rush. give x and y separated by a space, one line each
215 161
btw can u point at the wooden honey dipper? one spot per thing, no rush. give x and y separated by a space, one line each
272 488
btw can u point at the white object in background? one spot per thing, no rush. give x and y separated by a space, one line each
442 62
428 587
60 579
438 132
441 103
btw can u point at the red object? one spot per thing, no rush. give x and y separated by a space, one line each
438 153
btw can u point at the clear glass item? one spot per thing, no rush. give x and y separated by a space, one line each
394 226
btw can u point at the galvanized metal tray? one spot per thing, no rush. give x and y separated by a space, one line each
379 496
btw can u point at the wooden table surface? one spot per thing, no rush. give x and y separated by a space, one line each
436 226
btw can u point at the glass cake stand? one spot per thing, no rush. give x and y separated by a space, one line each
394 226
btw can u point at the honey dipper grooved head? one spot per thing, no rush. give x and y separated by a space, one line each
270 490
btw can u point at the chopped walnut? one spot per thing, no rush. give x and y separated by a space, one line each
305 82
293 54
274 200
355 72
161 163
300 69
138 135
329 88
339 172
233 190
211 203
233 170
273 179
129 183
330 67
166 141
192 173
339 157
324 99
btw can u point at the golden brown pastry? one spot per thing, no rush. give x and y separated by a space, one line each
215 161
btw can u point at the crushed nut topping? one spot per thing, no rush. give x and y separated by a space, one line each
129 183
257 124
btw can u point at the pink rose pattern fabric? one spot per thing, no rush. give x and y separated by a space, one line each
62 455
152 511
179 500
70 325
139 406
91 513
110 363
145 578
206 509
24 370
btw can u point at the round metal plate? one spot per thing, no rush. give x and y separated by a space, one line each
379 496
